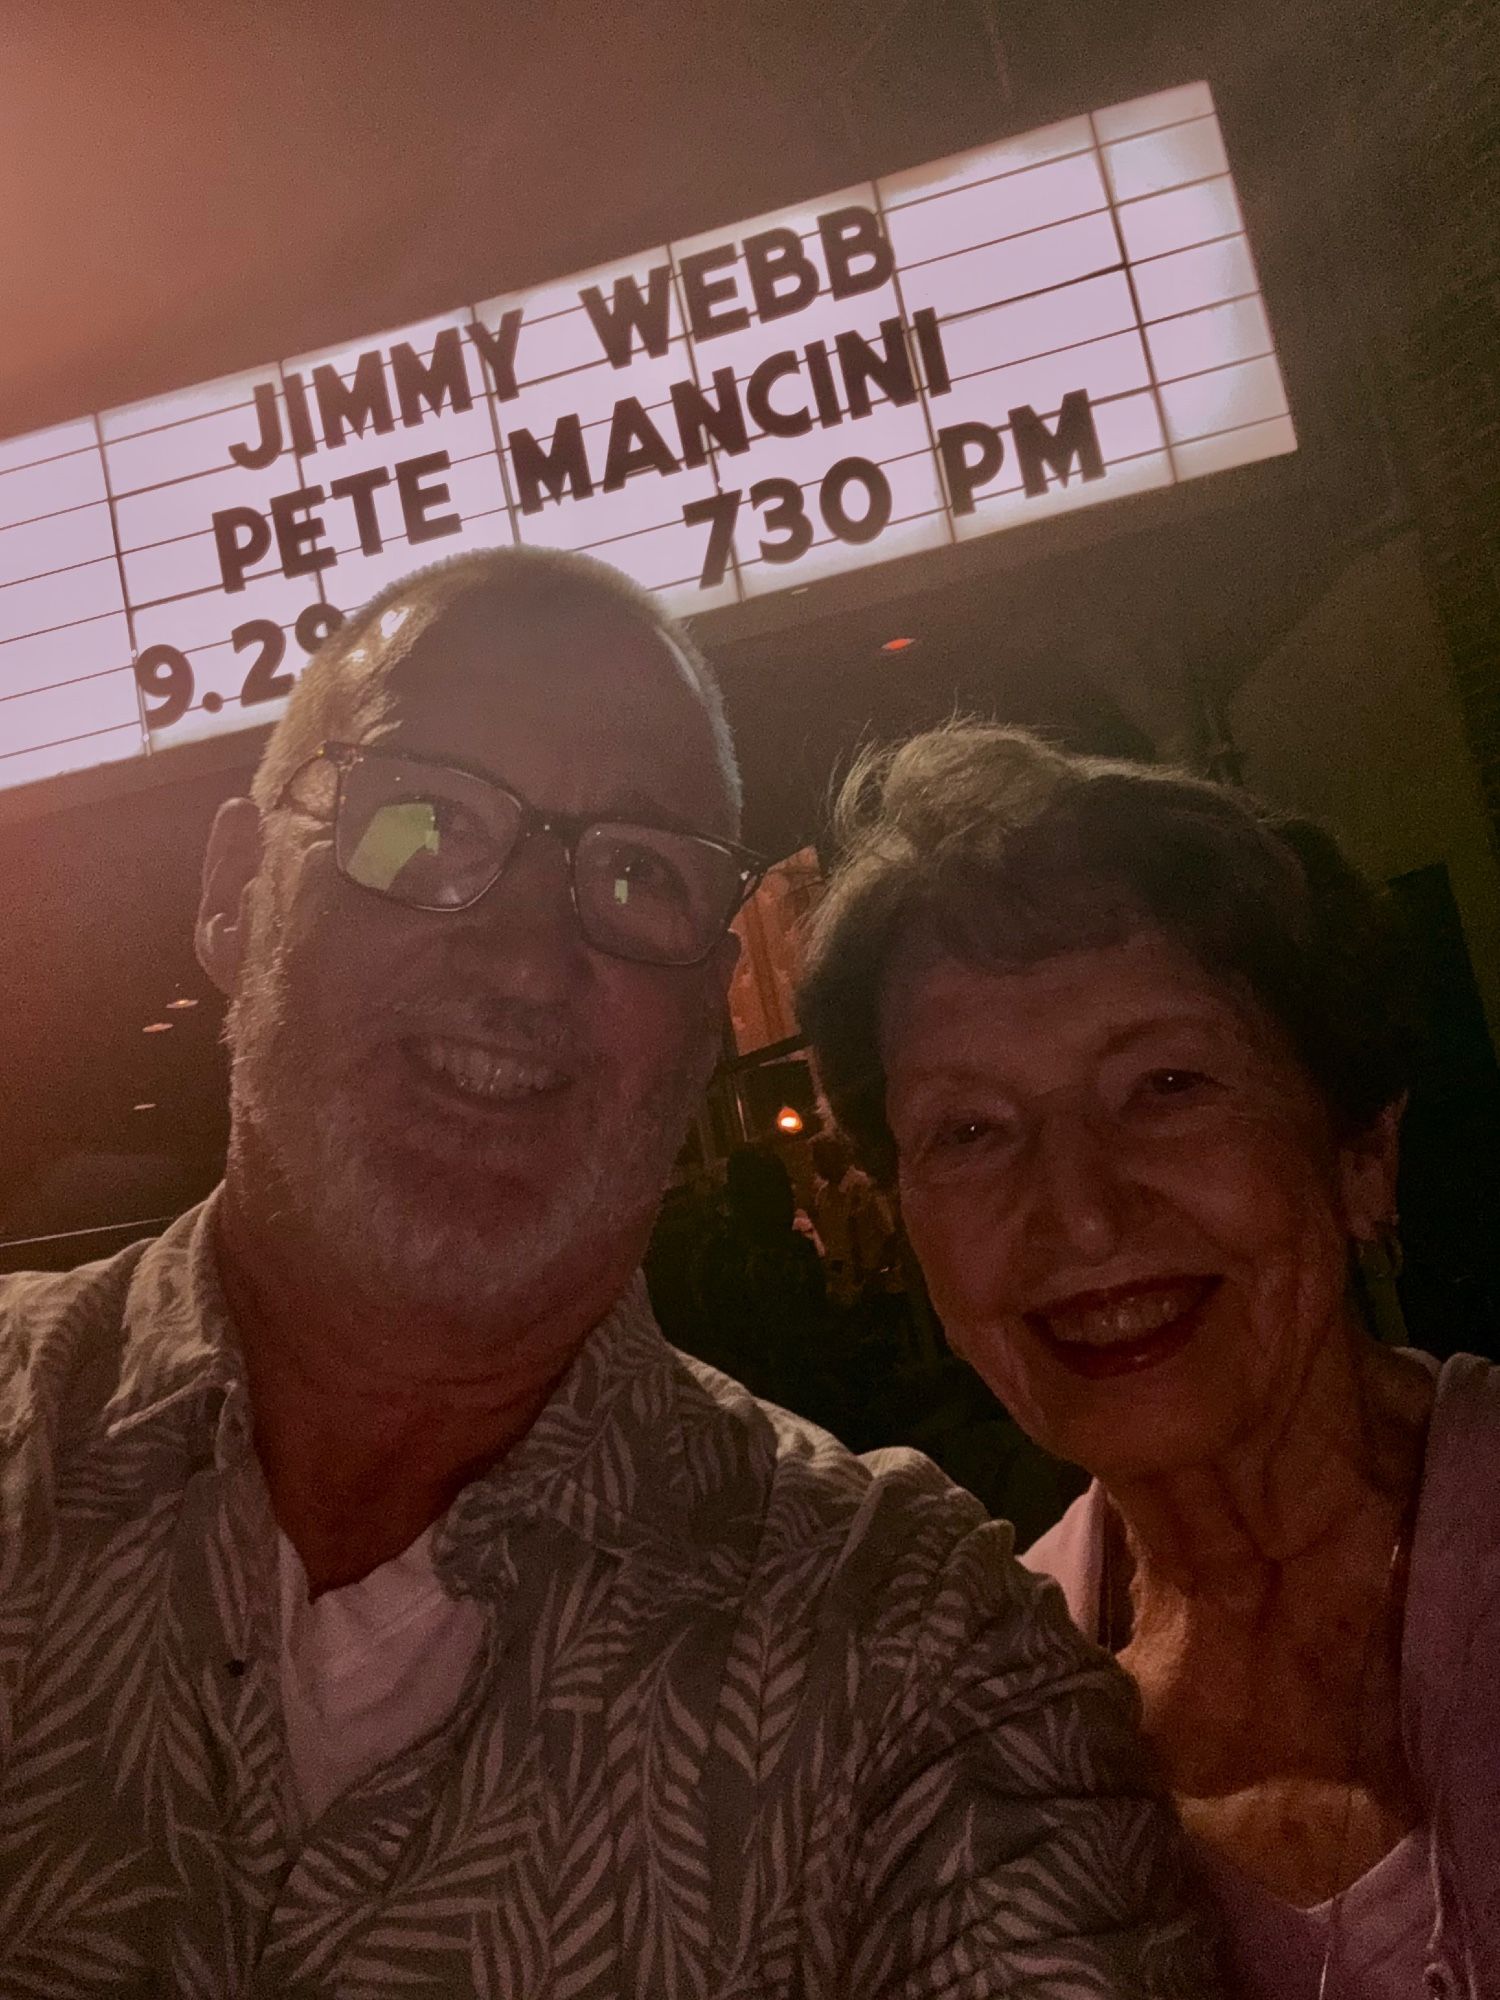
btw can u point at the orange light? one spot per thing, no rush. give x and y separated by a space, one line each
174 1006
897 645
157 1028
789 1121
143 1107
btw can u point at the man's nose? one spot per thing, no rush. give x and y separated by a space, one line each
524 929
1076 1202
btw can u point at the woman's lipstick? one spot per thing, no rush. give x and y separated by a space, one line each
1125 1329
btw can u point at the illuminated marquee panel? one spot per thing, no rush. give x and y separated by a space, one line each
1066 317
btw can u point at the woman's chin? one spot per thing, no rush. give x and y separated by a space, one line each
1152 1415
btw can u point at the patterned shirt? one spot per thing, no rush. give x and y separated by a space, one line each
751 1717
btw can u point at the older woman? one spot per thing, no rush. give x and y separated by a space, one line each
1132 1050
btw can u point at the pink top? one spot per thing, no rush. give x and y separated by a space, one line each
1425 1919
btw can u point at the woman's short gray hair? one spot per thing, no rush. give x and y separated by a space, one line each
996 848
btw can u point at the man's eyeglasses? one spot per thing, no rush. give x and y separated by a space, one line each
436 837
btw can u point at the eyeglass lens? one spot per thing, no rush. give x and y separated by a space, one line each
437 839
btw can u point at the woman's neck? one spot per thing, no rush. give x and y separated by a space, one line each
1259 1602
1341 1462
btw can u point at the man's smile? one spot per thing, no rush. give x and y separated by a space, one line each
484 1073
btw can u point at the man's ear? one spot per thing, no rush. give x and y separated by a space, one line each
230 865
1367 1175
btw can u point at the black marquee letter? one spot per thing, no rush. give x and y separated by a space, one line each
268 445
862 364
628 313
849 233
497 350
365 400
429 384
635 445
708 299
562 469
699 418
418 501
775 258
776 423
1040 450
964 476
236 555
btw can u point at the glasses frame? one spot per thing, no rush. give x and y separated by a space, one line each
568 829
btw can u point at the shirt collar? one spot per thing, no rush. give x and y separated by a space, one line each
179 1343
605 1459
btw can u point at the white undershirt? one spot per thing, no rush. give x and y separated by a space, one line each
367 1670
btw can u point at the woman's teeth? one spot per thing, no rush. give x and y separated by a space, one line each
488 1073
1135 1316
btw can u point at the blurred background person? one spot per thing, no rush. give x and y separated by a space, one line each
758 1290
853 1221
1134 1051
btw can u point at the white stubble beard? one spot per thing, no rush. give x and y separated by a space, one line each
306 1134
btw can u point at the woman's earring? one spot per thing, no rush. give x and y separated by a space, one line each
1380 1257
1378 1261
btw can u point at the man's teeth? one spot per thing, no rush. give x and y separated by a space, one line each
1118 1320
487 1073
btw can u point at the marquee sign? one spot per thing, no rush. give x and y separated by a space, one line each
1063 318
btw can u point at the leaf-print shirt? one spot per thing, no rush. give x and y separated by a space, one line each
750 1717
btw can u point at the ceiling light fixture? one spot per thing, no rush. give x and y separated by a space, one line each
143 1107
157 1028
174 1005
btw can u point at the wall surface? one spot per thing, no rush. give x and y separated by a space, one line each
1354 719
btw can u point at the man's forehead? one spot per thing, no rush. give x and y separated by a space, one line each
470 637
474 683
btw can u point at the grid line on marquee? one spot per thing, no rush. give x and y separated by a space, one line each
1181 249
1135 300
969 375
254 575
52 514
114 529
734 566
41 575
68 680
183 479
1178 187
1033 166
1215 368
60 742
984 180
1012 236
691 344
919 376
491 408
64 625
178 423
47 458
561 312
1103 150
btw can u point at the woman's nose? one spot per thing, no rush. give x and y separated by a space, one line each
1075 1205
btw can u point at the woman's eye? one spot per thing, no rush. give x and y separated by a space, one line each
958 1135
1171 1083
